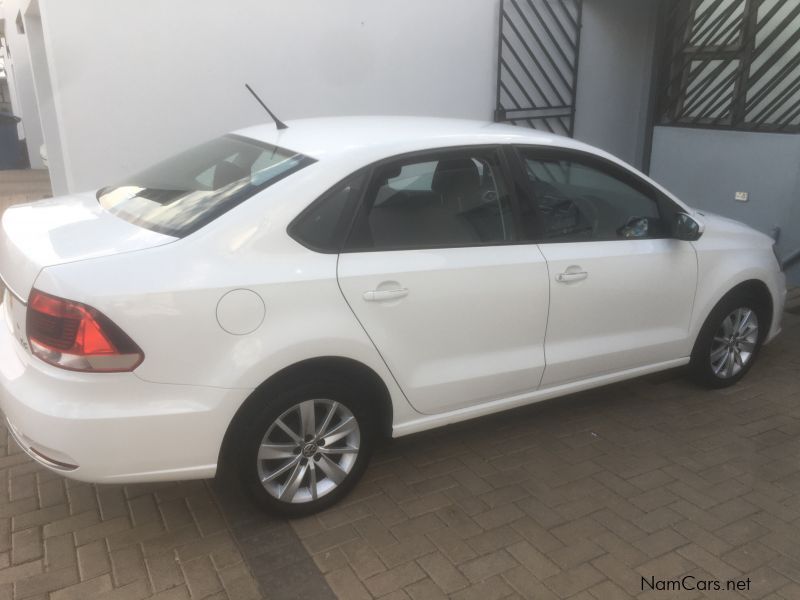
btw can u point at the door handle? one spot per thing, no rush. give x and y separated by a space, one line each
384 295
568 276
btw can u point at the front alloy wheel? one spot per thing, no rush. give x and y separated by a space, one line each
729 341
734 343
308 451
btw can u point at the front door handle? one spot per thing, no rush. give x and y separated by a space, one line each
569 276
384 295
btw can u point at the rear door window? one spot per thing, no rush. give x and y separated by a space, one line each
449 199
182 194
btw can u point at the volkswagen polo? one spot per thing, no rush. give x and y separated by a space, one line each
287 296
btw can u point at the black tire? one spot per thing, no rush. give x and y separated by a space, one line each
701 361
285 403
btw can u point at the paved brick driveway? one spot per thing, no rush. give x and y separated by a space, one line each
575 498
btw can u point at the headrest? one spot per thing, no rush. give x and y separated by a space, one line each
456 175
227 173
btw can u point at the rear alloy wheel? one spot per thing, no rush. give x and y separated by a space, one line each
307 449
729 341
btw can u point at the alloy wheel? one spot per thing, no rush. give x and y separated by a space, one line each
308 451
734 343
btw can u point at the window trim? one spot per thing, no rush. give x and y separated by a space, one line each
446 151
664 204
353 208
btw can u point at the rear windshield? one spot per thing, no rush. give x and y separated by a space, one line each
185 192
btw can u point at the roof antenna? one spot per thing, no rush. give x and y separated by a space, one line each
278 123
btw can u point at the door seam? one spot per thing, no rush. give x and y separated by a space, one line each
374 345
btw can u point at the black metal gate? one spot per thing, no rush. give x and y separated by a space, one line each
537 73
731 64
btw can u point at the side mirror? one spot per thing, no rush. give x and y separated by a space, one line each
687 228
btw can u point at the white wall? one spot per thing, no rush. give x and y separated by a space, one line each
137 80
57 161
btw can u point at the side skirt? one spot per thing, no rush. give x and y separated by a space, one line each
472 412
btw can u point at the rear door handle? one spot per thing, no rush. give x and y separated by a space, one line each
384 295
568 276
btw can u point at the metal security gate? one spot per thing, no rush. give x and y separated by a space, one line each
538 54
731 64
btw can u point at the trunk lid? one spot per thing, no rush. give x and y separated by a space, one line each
62 230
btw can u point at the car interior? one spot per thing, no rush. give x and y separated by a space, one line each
452 201
578 203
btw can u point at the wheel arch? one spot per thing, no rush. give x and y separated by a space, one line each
347 370
760 292
757 288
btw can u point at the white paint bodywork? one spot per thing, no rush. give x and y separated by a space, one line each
481 329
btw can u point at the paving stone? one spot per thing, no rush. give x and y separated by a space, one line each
102 530
19 572
660 542
81 497
405 550
363 559
442 572
491 589
527 586
537 563
127 565
71 523
494 539
345 584
201 577
424 589
485 566
93 560
144 510
41 583
85 589
394 579
164 571
26 545
32 518
239 583
570 582
59 552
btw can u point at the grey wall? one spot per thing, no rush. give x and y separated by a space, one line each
614 75
706 168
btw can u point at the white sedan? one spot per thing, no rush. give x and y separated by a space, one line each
287 296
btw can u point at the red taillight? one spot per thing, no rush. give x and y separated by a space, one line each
74 336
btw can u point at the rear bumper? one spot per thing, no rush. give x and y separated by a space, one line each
112 428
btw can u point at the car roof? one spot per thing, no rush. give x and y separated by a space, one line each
361 140
385 136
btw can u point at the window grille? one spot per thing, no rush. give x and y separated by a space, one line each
731 64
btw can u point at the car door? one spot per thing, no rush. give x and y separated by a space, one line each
433 272
622 289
